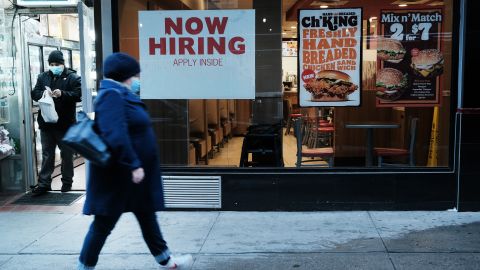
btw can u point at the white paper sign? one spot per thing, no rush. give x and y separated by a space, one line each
198 54
330 51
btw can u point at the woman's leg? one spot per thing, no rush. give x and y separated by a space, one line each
95 239
152 236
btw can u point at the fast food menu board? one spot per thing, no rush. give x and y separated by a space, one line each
289 48
410 58
330 48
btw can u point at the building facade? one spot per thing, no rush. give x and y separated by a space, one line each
433 181
247 118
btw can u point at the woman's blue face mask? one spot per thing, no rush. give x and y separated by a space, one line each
135 86
56 70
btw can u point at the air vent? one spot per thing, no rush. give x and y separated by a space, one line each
192 191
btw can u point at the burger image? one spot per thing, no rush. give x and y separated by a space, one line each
331 85
390 50
428 63
391 84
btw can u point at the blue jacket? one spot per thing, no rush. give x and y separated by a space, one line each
122 120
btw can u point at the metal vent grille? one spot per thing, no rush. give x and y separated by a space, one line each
192 191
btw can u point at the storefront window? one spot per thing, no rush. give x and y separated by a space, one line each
356 84
11 169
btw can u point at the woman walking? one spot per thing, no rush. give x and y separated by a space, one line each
132 181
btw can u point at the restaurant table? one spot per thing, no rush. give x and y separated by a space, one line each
369 126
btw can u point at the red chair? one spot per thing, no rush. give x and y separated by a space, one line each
382 152
321 135
292 117
316 154
323 121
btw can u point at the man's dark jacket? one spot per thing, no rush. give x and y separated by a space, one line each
65 105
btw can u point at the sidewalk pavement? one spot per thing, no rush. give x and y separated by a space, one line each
254 240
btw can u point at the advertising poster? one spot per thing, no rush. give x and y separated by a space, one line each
198 54
330 48
409 58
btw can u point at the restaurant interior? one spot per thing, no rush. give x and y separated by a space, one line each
224 133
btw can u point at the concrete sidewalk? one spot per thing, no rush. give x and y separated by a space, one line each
254 240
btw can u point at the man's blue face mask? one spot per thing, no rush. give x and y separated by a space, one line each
135 87
56 70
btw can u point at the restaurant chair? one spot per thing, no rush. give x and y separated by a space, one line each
192 156
216 134
382 152
224 119
263 143
232 113
200 146
227 128
318 132
325 123
316 153
292 116
198 133
322 136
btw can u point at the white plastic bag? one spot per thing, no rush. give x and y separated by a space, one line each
47 107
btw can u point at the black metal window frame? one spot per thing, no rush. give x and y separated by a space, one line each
453 141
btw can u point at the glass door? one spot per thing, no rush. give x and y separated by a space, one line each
76 60
87 56
36 47
67 54
35 63
46 52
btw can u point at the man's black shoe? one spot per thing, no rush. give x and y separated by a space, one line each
66 188
38 190
35 186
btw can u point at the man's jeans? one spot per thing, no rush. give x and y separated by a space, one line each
103 225
50 140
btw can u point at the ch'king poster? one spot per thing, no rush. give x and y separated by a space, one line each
330 48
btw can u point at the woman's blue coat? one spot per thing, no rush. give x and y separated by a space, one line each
123 122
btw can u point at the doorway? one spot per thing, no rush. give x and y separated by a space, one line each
71 31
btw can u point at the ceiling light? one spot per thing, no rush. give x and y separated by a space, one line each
323 6
402 5
284 33
293 27
264 20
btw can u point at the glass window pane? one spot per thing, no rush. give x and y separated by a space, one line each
76 60
405 123
35 56
68 57
46 52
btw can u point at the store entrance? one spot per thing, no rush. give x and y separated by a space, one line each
72 33
38 50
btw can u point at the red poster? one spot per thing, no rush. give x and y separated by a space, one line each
410 58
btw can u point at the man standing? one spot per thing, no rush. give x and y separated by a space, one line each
64 85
